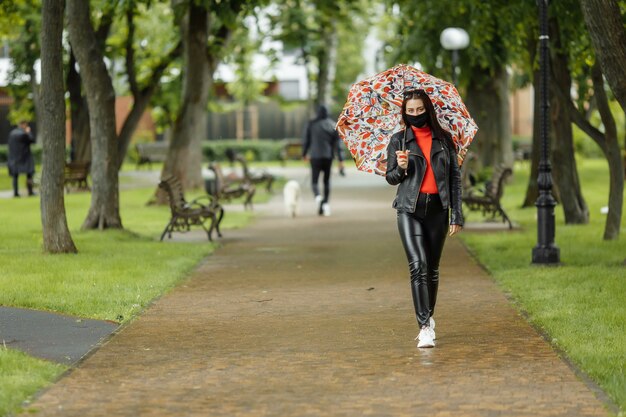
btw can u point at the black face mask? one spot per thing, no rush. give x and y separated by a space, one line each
420 120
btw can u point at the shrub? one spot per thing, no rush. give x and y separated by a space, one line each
253 150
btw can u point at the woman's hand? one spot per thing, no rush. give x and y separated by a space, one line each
454 229
403 159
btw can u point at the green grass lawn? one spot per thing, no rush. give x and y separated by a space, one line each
113 277
580 304
21 377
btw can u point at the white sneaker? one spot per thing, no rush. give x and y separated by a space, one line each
431 326
318 204
426 338
326 209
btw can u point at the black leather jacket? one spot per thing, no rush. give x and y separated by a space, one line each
445 167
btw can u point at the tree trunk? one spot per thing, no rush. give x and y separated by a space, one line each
56 235
35 88
141 96
613 156
488 103
608 36
104 210
79 114
140 103
327 65
564 170
184 158
532 190
609 145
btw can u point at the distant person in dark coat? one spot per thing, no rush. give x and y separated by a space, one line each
320 145
20 158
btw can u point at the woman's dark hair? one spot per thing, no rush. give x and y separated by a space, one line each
438 131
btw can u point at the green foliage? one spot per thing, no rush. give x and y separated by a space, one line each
11 19
153 37
303 26
419 26
560 300
350 60
247 87
21 25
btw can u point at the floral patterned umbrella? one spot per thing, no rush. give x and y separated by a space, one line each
371 114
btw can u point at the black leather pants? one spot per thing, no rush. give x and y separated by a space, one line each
423 234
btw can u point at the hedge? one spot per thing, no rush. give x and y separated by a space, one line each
36 150
254 150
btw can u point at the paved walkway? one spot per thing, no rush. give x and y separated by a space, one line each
313 317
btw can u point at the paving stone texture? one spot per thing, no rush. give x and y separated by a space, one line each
313 317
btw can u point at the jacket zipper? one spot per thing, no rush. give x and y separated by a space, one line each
420 187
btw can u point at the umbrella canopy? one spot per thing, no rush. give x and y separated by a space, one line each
372 114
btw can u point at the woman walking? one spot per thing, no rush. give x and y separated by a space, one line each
422 161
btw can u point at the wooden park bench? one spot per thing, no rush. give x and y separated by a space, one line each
225 190
76 174
186 214
291 151
150 152
488 202
251 177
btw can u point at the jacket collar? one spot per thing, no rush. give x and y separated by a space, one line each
410 138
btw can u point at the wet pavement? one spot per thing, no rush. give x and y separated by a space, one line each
55 337
313 317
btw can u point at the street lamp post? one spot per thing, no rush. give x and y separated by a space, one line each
454 39
546 252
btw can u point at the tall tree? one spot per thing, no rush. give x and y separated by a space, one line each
79 114
143 82
591 89
313 28
79 109
56 235
104 210
523 43
206 27
564 167
137 33
483 64
605 23
608 143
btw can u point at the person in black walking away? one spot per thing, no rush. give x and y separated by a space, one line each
320 145
20 158
422 161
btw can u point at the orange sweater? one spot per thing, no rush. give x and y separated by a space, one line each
424 139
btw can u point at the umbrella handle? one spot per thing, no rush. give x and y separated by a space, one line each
404 141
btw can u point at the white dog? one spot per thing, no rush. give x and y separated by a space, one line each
291 195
